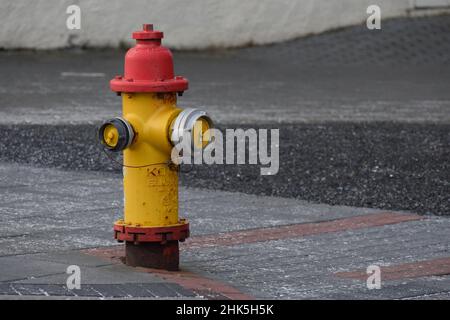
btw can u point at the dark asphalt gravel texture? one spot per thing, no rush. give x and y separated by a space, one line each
393 166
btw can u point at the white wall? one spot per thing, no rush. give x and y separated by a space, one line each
187 24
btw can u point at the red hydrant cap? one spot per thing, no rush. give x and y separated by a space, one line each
148 66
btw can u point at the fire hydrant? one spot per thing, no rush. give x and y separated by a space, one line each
149 128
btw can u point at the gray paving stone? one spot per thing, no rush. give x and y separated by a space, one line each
44 215
123 290
15 268
305 267
38 236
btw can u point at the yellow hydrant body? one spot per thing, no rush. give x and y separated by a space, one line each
149 127
150 184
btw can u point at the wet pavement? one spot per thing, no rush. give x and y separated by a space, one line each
52 219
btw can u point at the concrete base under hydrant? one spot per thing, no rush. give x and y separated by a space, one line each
153 255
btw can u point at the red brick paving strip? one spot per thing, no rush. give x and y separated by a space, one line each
298 230
215 289
435 267
210 289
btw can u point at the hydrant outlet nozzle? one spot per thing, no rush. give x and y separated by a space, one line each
187 122
116 134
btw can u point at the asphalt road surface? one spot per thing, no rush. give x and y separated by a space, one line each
380 165
364 116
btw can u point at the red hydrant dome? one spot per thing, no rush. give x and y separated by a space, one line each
148 66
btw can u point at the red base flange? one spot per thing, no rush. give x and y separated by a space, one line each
149 234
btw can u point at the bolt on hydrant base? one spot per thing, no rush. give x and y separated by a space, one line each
150 126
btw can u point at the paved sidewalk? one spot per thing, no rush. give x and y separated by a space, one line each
261 247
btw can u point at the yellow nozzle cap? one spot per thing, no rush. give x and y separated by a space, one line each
200 134
110 135
116 134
